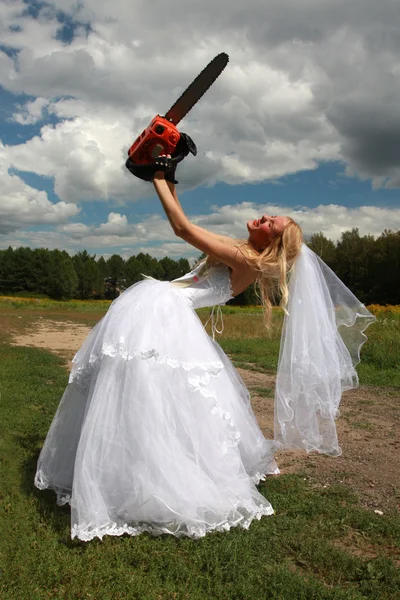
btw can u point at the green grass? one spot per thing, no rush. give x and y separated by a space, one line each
380 355
263 391
262 355
305 552
249 347
41 304
245 339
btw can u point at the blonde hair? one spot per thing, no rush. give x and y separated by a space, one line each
273 266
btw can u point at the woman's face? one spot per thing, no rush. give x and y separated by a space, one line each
264 230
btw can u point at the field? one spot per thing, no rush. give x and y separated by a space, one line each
336 531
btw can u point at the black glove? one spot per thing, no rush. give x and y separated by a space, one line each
183 147
163 163
147 172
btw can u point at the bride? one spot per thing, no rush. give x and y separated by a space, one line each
155 431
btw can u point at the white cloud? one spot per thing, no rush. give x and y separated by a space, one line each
174 250
116 225
155 236
84 156
271 113
22 205
117 231
307 82
331 219
75 230
31 112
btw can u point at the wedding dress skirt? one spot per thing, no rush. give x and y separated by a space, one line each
155 431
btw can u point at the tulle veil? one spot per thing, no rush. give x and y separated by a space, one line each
322 335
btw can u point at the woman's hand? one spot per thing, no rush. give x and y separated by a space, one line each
159 168
164 163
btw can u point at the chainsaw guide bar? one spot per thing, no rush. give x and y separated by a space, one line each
162 135
197 88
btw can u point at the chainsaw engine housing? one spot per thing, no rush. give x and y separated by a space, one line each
160 137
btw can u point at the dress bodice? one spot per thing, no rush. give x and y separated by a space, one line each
214 289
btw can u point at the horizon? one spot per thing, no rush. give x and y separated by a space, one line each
303 121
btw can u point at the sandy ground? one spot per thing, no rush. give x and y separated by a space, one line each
63 338
368 428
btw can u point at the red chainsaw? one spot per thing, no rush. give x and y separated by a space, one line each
162 135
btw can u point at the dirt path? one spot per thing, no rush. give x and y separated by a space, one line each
369 435
61 337
368 428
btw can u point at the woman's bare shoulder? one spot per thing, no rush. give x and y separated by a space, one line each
241 277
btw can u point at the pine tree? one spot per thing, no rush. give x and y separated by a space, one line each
63 280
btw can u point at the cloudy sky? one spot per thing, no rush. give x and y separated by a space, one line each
304 121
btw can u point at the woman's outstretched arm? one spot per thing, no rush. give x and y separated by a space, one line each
193 234
171 204
172 189
217 236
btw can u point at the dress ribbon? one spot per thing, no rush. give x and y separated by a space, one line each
214 321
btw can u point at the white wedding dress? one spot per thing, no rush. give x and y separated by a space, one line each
155 431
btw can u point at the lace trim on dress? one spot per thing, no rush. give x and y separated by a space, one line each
64 498
80 373
259 476
199 384
42 483
247 511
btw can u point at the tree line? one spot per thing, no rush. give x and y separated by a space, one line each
369 266
55 274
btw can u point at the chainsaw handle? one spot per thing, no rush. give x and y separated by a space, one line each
183 147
